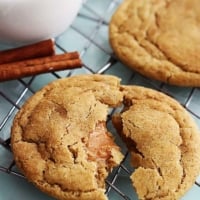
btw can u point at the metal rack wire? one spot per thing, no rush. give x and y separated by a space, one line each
95 43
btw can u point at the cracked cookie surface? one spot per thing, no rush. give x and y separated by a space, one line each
60 141
164 142
159 39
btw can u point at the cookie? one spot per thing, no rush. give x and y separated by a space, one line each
60 141
159 39
164 142
61 144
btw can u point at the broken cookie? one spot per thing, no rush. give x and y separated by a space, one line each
164 143
60 141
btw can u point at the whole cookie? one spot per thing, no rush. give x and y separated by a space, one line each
59 137
164 143
159 38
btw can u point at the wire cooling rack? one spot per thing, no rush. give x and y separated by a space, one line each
89 35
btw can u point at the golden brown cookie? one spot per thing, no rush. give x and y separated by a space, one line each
60 141
164 143
159 38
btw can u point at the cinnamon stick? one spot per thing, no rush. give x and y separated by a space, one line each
39 65
36 50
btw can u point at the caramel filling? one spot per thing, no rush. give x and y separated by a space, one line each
100 144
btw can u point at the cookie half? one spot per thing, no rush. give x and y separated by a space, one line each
159 39
164 142
59 137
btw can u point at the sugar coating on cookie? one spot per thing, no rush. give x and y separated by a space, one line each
60 140
159 39
164 143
